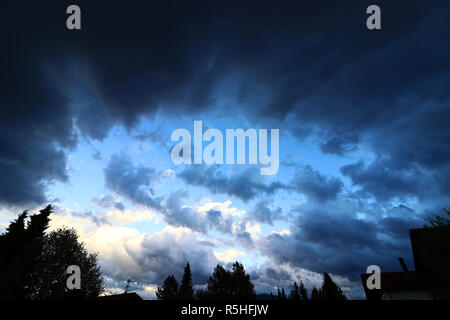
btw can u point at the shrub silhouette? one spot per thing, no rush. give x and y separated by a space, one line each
62 249
169 290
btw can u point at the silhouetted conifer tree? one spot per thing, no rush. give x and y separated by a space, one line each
278 294
330 290
186 291
303 292
315 294
169 290
20 248
295 293
283 294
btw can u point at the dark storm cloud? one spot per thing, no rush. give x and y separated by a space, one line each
413 158
277 274
340 145
399 227
380 180
165 253
35 129
245 185
263 212
340 243
313 62
311 65
248 185
178 215
35 123
132 181
315 185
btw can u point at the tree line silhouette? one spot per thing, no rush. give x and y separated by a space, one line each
235 284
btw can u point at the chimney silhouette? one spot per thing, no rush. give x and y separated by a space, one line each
403 264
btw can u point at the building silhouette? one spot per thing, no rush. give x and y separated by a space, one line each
430 279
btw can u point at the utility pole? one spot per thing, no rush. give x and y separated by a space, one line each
127 286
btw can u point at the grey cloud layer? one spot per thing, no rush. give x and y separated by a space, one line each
245 185
310 63
333 239
248 184
132 181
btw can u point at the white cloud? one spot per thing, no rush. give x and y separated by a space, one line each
223 207
130 216
229 255
125 252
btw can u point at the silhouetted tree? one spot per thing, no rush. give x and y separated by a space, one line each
169 289
62 249
20 248
242 287
224 284
272 297
186 290
219 283
295 293
33 265
278 294
439 221
330 290
202 294
283 294
303 292
315 294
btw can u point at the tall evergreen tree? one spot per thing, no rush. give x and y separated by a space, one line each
295 293
283 294
330 290
169 290
303 292
33 264
315 294
186 291
20 248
